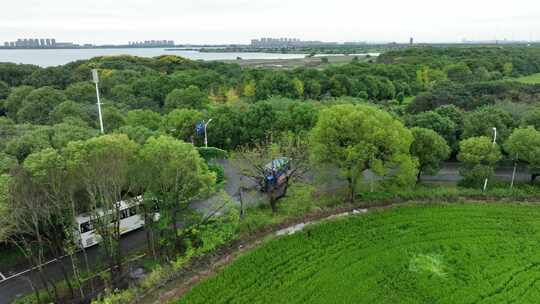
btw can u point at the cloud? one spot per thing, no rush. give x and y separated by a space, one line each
222 21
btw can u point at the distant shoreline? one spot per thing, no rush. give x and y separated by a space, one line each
178 47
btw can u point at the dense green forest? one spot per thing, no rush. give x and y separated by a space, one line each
245 104
408 109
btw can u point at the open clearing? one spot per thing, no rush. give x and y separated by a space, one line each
532 79
447 253
284 64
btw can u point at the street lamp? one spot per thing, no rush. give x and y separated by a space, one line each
494 142
205 134
95 79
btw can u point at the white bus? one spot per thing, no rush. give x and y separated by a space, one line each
131 218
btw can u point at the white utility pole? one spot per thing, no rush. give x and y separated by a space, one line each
514 172
95 78
205 134
494 142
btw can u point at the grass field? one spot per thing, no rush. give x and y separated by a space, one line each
452 253
534 78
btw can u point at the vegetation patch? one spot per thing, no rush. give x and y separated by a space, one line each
447 253
534 78
428 263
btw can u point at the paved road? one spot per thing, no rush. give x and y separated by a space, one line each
13 288
132 242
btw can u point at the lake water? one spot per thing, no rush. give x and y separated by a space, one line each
47 58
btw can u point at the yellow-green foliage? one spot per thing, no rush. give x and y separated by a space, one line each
532 79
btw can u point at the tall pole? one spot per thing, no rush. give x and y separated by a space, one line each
205 134
494 142
514 172
95 78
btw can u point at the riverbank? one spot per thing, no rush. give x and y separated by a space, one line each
292 63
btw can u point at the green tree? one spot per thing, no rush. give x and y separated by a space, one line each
459 72
430 149
105 167
25 224
298 88
259 121
112 118
455 114
524 145
139 134
180 123
7 163
81 92
38 104
532 119
250 90
46 170
33 141
508 68
189 98
478 156
177 175
69 109
144 118
4 90
482 121
252 161
63 133
226 129
432 120
362 137
15 100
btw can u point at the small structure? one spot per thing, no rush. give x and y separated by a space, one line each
276 173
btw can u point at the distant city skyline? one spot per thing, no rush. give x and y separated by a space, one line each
239 21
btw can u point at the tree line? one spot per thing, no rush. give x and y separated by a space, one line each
354 117
42 196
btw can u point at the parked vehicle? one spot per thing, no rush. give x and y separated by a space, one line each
276 173
131 218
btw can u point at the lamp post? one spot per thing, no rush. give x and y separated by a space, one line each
514 172
95 79
494 142
205 134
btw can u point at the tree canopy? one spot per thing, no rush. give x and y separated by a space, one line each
356 138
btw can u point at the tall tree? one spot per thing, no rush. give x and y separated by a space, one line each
46 169
181 123
478 156
104 167
482 121
38 104
430 149
189 98
274 166
524 145
362 137
175 174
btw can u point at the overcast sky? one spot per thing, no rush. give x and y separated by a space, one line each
237 21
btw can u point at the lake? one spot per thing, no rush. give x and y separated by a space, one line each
46 58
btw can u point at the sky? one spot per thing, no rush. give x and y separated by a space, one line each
238 21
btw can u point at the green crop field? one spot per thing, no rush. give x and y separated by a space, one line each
532 79
451 253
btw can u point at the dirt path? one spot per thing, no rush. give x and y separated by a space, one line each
204 267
